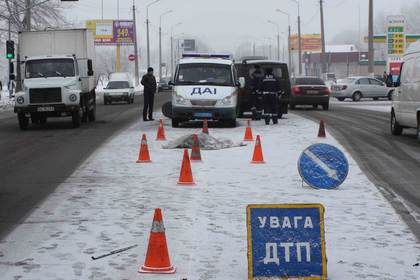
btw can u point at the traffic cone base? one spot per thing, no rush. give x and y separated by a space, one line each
164 270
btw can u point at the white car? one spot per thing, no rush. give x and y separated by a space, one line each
357 88
205 87
118 91
405 112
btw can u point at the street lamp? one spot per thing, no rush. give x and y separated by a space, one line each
172 47
278 37
288 41
160 42
147 29
299 37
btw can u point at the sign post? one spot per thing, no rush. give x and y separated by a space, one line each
286 241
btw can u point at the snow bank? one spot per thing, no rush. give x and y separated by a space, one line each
108 204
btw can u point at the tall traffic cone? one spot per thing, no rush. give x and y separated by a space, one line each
321 131
258 154
157 257
144 151
205 126
248 132
185 176
195 152
161 132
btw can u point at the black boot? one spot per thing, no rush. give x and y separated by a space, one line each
267 120
275 120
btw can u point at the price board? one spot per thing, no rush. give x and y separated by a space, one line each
396 36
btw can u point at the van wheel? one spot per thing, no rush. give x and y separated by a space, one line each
418 131
376 98
231 123
357 96
292 106
175 122
23 121
396 128
76 118
92 114
326 106
341 98
390 95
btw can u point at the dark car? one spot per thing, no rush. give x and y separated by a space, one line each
280 70
309 91
164 84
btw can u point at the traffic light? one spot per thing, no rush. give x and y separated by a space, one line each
10 49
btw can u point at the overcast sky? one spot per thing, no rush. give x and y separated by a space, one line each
224 24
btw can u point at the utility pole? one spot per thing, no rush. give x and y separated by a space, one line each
160 42
324 68
147 31
371 55
136 51
28 15
278 37
300 41
289 47
172 48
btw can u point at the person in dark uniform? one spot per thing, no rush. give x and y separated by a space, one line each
256 79
270 88
149 83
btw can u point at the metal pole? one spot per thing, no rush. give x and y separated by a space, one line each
136 52
322 37
278 45
118 9
10 70
172 55
148 43
28 15
290 49
160 52
300 41
102 9
371 55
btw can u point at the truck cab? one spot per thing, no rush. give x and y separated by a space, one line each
205 87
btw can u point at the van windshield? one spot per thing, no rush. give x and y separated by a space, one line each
57 67
117 85
204 73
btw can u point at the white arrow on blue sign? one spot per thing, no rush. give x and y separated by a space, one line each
323 166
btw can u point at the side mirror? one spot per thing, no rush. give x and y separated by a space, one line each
242 82
89 67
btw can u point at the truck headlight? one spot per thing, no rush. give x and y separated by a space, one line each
73 97
71 86
20 100
178 99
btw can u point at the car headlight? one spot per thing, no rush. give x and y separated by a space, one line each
73 97
20 100
227 100
178 99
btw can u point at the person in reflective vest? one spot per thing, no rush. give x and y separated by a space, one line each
256 96
270 88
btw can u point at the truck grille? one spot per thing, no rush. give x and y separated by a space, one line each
203 102
45 95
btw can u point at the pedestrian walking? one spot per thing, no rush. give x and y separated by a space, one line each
389 80
385 77
256 95
1 87
270 88
149 83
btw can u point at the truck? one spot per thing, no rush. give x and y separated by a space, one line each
58 78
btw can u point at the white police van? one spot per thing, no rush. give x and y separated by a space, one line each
205 86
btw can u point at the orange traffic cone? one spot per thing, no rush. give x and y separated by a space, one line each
144 151
195 152
205 126
248 132
185 176
157 257
161 132
321 131
258 154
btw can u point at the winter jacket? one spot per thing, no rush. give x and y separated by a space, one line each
149 83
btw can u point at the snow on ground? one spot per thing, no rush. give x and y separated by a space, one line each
108 204
379 106
5 102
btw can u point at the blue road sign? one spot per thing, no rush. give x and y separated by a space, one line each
323 166
286 241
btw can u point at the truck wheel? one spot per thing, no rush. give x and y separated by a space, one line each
292 106
92 114
396 128
23 121
105 101
175 122
76 119
43 119
35 118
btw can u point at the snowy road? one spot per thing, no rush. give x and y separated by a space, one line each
108 204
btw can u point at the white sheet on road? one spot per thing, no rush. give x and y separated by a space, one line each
108 204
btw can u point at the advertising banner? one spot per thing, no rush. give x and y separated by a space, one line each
396 36
310 42
112 32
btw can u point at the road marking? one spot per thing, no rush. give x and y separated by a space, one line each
330 172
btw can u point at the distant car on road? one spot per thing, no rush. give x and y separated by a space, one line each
309 91
357 88
118 91
164 84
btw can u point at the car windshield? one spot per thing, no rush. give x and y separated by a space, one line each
57 67
309 81
204 73
277 71
346 81
117 85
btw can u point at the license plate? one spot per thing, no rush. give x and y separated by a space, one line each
45 109
203 115
312 91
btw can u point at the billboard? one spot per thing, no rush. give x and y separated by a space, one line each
112 32
396 36
187 45
310 42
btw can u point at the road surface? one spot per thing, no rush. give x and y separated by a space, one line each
391 162
34 162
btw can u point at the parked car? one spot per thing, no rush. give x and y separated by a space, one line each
246 67
309 91
119 88
405 111
164 84
357 88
